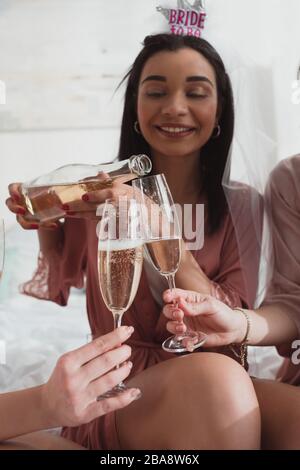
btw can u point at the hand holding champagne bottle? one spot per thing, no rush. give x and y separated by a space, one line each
73 191
84 205
16 204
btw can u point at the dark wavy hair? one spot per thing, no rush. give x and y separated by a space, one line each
215 152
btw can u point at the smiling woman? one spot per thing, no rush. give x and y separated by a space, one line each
178 110
177 102
187 83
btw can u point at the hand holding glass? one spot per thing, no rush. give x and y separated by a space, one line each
120 259
163 247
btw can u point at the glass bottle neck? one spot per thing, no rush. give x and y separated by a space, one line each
139 165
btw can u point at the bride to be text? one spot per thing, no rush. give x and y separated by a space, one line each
186 22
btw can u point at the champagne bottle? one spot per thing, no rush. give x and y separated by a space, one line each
45 195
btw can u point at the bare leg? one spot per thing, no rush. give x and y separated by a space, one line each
280 414
198 401
40 441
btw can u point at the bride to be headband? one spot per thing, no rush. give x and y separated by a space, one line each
186 19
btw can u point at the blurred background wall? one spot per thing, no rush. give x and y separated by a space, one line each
61 61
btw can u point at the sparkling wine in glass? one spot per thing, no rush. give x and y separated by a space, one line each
120 260
163 246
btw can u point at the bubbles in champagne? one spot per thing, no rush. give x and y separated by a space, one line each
119 267
119 245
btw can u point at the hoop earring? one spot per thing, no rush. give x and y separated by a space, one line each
136 127
217 134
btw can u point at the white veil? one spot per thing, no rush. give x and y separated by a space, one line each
253 156
254 148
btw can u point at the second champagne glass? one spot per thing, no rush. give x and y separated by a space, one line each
163 246
120 259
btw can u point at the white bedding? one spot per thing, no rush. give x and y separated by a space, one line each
35 333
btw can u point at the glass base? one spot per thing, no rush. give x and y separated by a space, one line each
186 342
120 388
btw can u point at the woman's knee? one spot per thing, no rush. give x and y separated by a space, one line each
280 411
202 400
221 394
217 374
40 440
212 370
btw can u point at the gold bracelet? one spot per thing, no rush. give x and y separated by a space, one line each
242 354
246 315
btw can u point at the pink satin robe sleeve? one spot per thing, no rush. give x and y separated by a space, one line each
283 205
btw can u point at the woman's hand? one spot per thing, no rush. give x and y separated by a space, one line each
89 207
203 313
85 208
15 204
80 376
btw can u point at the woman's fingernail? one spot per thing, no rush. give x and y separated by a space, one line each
21 211
128 364
34 226
129 330
136 393
85 198
190 346
71 212
65 207
16 198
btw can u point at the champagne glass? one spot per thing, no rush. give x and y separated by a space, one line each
2 246
120 259
163 246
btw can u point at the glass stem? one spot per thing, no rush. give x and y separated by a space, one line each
171 281
117 316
